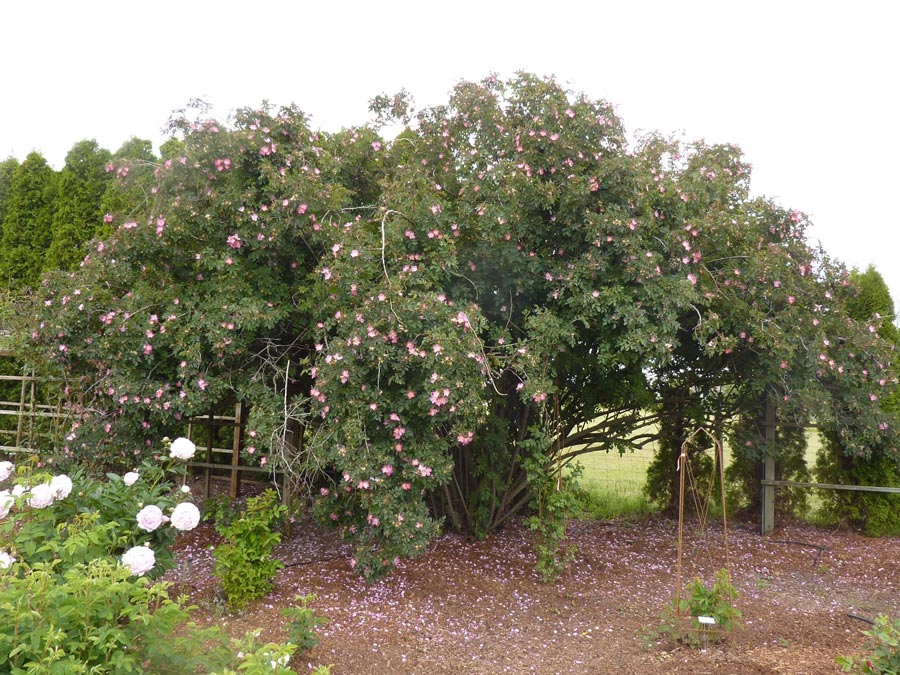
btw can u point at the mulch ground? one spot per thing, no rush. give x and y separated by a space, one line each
478 607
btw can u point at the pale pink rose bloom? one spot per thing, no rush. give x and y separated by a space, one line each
130 478
150 517
6 470
185 516
139 560
61 486
6 560
41 496
182 448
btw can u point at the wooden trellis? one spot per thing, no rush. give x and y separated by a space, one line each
210 452
36 420
687 483
39 420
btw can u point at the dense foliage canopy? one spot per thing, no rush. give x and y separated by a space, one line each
442 321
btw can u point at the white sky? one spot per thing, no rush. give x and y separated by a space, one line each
809 90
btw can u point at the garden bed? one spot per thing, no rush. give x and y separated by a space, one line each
468 606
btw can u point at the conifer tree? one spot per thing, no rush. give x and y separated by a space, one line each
78 215
873 301
27 223
7 168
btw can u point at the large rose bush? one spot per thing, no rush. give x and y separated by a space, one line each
431 327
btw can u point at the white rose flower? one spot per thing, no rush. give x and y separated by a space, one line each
182 448
185 516
139 560
6 560
18 490
61 486
150 517
186 489
41 496
6 503
6 470
130 478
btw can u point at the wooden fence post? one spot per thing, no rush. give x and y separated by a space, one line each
236 441
207 471
767 517
20 423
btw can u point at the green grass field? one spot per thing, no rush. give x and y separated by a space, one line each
622 475
615 482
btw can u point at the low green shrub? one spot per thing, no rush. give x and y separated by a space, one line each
219 510
244 563
716 601
77 557
883 647
96 617
302 622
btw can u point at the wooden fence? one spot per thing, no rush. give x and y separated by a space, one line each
207 454
38 419
30 421
768 482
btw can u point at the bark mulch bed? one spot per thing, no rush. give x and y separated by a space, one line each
478 607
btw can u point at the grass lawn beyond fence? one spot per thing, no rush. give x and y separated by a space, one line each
615 483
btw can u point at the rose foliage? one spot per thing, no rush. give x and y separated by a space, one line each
508 283
77 582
